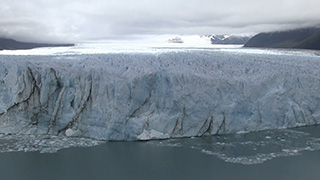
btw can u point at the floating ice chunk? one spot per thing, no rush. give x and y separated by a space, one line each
42 143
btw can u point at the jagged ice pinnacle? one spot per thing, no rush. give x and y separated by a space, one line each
183 93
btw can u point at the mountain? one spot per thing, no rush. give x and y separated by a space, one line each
306 38
175 40
227 39
10 44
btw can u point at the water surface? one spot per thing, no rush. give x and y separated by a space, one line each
277 154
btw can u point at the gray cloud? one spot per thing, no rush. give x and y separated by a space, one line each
79 20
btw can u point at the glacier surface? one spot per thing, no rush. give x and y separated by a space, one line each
159 94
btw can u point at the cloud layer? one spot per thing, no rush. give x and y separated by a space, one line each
81 20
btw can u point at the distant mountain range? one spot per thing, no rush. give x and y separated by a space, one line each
175 40
306 38
10 44
217 39
227 39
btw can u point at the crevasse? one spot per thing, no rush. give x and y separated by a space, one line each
130 96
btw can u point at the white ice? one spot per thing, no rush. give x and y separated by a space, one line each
117 93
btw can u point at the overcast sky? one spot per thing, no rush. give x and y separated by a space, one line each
81 20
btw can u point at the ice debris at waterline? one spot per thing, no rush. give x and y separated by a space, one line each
42 143
250 148
161 94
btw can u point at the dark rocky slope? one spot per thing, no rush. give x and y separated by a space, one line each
307 38
10 44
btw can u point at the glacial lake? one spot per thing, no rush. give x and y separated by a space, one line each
278 154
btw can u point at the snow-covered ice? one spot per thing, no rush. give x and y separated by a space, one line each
158 92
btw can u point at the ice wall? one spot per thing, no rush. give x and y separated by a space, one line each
129 96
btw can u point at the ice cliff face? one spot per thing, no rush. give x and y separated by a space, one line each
128 96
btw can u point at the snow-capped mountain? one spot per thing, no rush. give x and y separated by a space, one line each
207 40
175 40
227 39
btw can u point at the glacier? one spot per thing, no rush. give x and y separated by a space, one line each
165 93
